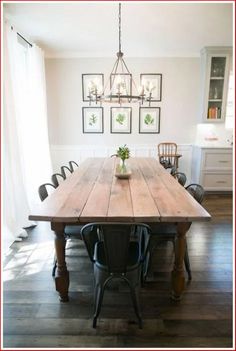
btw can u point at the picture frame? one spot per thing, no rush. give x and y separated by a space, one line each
121 120
126 78
155 81
149 120
90 78
92 118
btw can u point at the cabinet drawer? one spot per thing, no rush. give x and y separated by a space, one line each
217 160
217 181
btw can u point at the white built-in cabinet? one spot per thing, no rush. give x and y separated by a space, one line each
215 65
212 168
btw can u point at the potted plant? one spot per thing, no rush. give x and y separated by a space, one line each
123 153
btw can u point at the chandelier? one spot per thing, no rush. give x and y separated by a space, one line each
121 83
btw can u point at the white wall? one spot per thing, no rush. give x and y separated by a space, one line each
179 109
179 105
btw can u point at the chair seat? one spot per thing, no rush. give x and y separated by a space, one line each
133 256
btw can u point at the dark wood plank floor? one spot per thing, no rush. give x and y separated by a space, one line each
34 317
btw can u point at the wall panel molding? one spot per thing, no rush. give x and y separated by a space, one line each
61 154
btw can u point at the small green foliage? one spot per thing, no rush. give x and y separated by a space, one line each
120 118
123 152
92 119
148 119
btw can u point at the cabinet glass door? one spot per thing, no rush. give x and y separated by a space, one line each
216 87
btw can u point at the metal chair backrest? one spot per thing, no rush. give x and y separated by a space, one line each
65 171
73 165
173 171
181 177
197 191
116 240
43 191
57 178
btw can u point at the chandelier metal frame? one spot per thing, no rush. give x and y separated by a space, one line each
121 94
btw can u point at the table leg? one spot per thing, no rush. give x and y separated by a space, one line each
178 279
62 274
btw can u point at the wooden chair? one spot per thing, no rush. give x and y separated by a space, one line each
72 230
73 165
115 254
168 156
57 178
164 232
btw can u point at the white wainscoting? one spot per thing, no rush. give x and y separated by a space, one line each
61 154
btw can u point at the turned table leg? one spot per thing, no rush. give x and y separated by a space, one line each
62 274
178 279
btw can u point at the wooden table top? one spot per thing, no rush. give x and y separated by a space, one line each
93 193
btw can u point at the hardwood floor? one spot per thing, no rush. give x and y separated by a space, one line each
33 317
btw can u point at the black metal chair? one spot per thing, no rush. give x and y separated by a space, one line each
57 178
197 191
164 232
43 190
117 251
173 170
72 230
181 177
65 171
73 165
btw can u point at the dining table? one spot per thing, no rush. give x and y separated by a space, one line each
93 193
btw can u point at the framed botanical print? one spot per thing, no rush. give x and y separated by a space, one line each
90 82
152 85
92 119
121 83
121 120
149 120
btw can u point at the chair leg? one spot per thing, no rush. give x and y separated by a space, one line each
98 297
187 263
54 266
145 268
135 299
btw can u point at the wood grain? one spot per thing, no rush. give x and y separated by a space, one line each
93 193
33 317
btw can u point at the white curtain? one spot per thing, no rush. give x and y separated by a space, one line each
26 154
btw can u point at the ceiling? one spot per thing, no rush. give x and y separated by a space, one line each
149 29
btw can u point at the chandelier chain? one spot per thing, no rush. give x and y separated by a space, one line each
121 83
119 27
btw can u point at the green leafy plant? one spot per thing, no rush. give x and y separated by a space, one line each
148 119
92 119
120 118
123 152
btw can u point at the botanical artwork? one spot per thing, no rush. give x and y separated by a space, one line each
92 84
120 119
92 119
149 120
151 85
